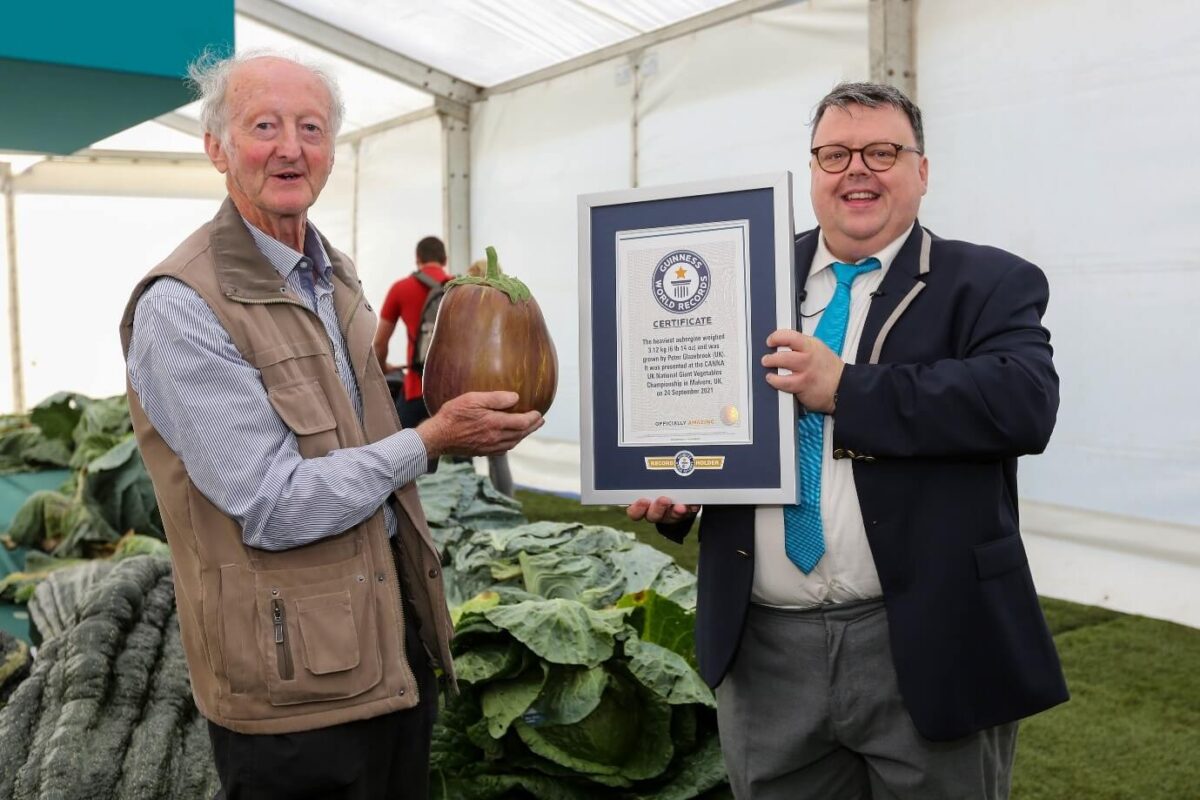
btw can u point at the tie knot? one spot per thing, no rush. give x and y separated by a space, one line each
846 273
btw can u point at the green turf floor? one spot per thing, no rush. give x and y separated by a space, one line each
1132 728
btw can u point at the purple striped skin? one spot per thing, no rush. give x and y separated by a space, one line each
483 341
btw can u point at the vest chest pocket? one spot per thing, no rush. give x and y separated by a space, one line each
328 633
304 408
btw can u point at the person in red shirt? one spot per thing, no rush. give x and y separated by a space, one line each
404 302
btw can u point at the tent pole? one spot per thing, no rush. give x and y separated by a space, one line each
14 297
356 147
635 67
890 33
456 191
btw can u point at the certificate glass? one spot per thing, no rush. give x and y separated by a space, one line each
680 287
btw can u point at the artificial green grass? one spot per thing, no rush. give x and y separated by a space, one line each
1131 730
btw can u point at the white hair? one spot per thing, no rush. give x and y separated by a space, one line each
209 75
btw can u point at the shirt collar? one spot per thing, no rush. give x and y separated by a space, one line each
284 258
823 259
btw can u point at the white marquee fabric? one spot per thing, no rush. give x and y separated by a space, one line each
733 99
1064 136
1057 129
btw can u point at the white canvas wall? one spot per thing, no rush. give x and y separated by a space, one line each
730 100
79 259
1064 134
533 151
399 202
736 99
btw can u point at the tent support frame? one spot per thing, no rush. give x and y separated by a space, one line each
456 191
14 293
891 32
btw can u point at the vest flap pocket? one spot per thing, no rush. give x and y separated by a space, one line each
287 351
1000 556
303 406
327 629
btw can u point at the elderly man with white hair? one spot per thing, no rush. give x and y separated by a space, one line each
309 590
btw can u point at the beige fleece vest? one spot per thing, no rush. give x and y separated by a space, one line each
286 641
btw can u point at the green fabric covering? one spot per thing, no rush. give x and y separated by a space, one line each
13 491
74 73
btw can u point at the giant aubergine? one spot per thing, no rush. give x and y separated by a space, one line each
490 335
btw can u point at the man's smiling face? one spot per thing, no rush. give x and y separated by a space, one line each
860 211
279 148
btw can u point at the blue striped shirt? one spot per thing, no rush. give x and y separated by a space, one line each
210 407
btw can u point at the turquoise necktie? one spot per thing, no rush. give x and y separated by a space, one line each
803 537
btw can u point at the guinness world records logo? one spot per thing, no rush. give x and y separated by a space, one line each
681 281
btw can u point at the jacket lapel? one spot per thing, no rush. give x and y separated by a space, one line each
806 248
903 281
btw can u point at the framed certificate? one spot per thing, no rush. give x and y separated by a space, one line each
679 287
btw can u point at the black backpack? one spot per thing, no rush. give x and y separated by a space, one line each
429 311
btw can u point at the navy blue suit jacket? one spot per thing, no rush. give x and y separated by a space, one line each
963 383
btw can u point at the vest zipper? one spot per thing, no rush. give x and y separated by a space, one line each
405 656
283 653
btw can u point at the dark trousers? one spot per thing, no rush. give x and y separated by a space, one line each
412 412
383 758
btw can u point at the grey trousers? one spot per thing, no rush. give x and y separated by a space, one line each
811 709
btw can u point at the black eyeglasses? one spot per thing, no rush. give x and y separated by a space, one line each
879 157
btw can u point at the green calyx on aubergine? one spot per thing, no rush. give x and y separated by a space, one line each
490 335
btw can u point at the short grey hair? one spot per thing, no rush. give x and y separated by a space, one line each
209 77
871 95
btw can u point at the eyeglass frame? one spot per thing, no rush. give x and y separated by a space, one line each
900 148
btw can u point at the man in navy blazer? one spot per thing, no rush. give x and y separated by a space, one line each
898 666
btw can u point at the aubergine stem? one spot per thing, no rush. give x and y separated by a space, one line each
496 279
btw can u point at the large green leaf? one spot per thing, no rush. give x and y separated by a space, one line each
676 583
586 578
451 747
489 662
42 510
27 449
444 786
569 695
663 622
58 415
628 735
85 533
440 493
505 701
561 631
48 452
639 566
119 487
667 674
695 774
536 537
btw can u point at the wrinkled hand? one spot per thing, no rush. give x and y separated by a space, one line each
476 424
661 510
815 370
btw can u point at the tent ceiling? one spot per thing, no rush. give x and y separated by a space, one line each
488 42
483 42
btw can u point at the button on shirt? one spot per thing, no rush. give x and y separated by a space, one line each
847 571
211 408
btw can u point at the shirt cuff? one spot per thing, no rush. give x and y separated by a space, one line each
407 453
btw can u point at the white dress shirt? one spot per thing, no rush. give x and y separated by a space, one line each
847 571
